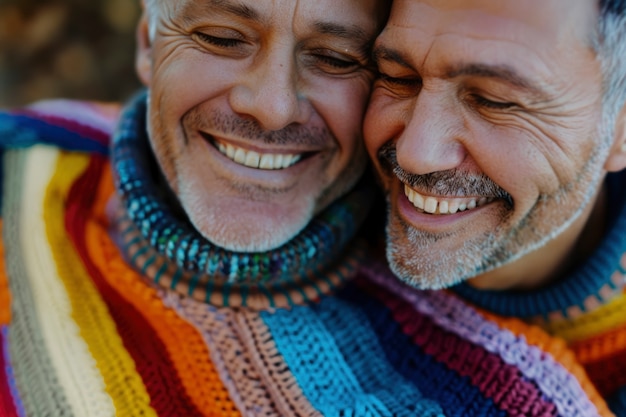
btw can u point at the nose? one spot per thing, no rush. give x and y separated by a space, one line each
270 92
433 136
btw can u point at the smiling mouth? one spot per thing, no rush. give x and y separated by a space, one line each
253 159
442 205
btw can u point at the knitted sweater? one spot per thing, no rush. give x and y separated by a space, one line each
83 333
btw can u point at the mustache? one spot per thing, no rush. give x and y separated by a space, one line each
230 124
451 182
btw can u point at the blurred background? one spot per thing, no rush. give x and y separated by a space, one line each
81 49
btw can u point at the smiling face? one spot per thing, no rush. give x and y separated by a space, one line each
255 109
484 129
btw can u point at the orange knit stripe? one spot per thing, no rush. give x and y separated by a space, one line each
599 346
185 346
5 292
557 348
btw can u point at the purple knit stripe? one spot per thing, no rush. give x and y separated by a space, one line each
7 370
502 383
452 314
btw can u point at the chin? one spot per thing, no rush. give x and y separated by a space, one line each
248 230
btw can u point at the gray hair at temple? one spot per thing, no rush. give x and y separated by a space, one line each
611 51
151 8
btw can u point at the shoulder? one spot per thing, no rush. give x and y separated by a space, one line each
67 124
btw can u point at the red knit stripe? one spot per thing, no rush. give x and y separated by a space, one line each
503 383
167 395
7 408
608 372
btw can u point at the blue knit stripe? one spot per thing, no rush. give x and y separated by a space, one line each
363 354
21 131
454 393
325 377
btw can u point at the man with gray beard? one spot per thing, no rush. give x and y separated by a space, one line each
498 130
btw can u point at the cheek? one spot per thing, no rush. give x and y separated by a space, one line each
341 104
381 123
186 79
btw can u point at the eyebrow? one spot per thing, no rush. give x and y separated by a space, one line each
501 72
504 73
209 6
348 32
383 53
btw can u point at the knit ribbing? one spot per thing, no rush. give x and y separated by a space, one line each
35 377
168 352
75 367
88 309
344 373
165 349
550 375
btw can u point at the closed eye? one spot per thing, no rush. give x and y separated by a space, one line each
218 41
484 102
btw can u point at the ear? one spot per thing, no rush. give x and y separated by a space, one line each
143 58
617 158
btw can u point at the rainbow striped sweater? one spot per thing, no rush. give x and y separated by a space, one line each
82 333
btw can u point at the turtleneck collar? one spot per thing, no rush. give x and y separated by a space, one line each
161 242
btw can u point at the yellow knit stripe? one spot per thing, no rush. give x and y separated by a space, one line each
605 318
75 368
89 311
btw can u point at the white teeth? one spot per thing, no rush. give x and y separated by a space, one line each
436 205
230 151
430 205
256 160
240 156
252 159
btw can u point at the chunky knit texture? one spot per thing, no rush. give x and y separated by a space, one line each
83 332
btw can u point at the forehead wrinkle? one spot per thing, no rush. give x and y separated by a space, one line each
192 8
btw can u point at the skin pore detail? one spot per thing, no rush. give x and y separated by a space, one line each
458 106
266 117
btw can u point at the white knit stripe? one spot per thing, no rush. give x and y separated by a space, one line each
76 369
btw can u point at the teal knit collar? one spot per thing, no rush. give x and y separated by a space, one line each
593 283
164 246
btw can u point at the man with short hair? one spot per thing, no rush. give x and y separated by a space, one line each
184 276
498 130
213 266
